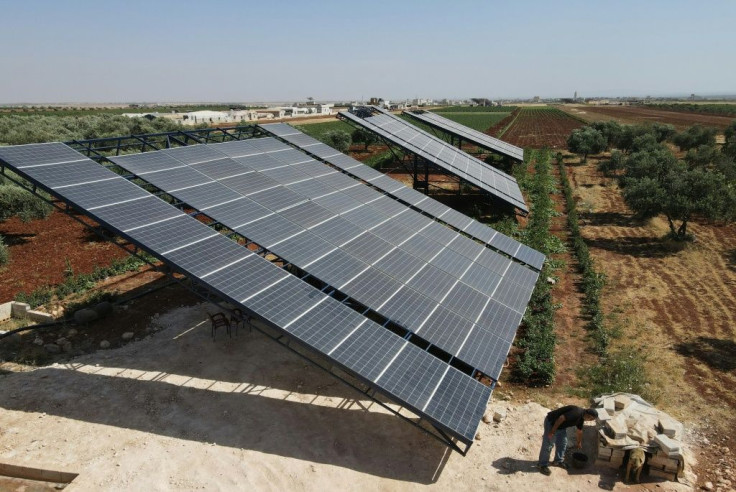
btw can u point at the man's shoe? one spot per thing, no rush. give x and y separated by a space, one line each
561 464
545 470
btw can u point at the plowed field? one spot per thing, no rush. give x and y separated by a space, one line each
539 127
676 301
636 114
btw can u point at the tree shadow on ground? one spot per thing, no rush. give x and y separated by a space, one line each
611 219
731 259
640 247
716 353
16 239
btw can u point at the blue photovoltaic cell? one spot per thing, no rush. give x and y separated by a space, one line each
474 136
443 408
221 168
409 308
26 156
413 377
338 268
372 287
136 213
69 174
326 325
193 154
205 257
446 329
146 162
171 234
359 351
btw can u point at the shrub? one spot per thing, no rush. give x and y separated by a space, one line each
4 253
338 139
15 201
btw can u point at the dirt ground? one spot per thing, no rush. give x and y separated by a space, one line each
31 267
676 303
636 114
176 410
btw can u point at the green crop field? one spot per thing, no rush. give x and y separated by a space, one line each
477 121
317 130
475 109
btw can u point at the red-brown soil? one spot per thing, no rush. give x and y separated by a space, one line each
40 249
637 114
540 127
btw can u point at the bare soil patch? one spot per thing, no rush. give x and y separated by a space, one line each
636 114
40 250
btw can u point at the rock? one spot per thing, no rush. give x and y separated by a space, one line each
66 346
38 341
84 316
72 332
52 348
128 335
487 418
499 415
104 344
708 485
103 309
551 281
61 341
477 437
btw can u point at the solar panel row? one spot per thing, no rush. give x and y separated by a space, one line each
474 136
442 154
412 377
301 225
413 198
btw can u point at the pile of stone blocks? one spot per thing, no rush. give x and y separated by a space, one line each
627 422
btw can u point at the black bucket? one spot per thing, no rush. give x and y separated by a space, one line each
579 460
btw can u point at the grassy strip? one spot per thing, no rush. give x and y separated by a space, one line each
78 284
622 369
536 365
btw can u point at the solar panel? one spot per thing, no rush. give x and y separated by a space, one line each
442 154
478 138
280 219
419 201
403 372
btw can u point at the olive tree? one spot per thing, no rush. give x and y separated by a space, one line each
586 141
338 139
656 183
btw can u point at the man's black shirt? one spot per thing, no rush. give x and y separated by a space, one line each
573 416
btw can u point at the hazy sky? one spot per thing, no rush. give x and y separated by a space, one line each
160 50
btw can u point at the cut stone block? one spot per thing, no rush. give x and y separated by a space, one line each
670 427
621 401
667 444
617 426
604 452
603 414
609 405
19 309
662 474
6 311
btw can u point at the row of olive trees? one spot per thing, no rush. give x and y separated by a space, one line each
654 181
17 130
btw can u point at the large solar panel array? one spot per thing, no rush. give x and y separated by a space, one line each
440 153
407 195
465 299
412 377
474 136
